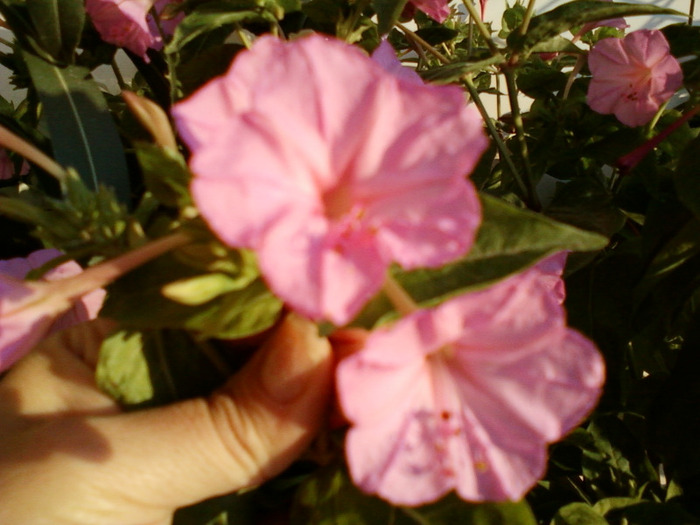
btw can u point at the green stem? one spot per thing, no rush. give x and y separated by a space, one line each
505 153
690 12
425 45
503 150
530 194
30 152
527 17
481 27
104 273
118 75
398 297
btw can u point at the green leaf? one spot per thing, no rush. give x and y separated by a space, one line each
683 39
137 300
509 240
606 505
328 497
452 510
123 370
651 513
165 174
154 368
562 18
578 514
59 24
684 245
686 178
388 12
83 134
214 15
454 71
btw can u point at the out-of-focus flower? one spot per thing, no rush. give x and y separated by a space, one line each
332 168
385 56
551 269
437 9
31 310
467 396
632 76
7 167
128 23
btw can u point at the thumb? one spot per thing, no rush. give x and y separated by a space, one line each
248 431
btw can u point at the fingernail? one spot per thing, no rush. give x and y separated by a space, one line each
293 355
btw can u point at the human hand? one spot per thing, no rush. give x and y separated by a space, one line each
70 456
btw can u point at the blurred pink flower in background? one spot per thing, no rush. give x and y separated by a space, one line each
29 310
632 76
127 23
7 166
468 395
436 9
331 168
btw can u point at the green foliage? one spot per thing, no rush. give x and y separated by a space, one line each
509 240
562 18
549 182
83 134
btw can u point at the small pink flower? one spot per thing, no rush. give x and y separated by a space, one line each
7 166
468 395
632 76
31 310
436 9
128 24
332 168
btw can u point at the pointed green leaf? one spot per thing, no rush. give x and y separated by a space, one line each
388 12
214 15
509 240
243 307
83 134
687 178
578 514
58 24
154 367
562 18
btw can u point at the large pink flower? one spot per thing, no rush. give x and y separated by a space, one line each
467 396
632 76
331 168
29 311
128 24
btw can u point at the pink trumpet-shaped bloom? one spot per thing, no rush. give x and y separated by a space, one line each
632 76
468 395
436 9
128 23
30 310
331 168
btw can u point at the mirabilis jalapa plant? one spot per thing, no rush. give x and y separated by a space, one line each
525 281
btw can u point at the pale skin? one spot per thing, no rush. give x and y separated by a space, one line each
70 456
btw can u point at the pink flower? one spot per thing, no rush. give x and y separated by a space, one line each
128 24
632 76
7 166
436 9
31 310
385 56
332 168
468 395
